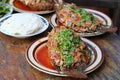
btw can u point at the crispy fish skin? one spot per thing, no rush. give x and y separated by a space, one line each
78 19
58 59
39 5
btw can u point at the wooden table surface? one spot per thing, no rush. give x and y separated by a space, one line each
14 66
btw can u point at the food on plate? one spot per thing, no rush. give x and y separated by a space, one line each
77 18
39 5
4 8
66 50
22 24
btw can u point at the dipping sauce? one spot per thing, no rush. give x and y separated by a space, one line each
43 58
20 5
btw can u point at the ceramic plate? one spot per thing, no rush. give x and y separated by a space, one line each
31 56
20 9
44 27
103 17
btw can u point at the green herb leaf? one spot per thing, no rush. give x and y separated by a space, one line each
85 15
83 12
4 9
83 20
94 22
43 0
2 2
69 60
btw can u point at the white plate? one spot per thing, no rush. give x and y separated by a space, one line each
97 57
21 10
44 27
103 17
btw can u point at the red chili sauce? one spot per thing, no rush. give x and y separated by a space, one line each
59 23
43 58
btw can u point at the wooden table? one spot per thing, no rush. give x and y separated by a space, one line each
14 66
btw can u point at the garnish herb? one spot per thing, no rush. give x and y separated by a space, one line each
43 0
3 8
69 60
2 2
67 43
85 15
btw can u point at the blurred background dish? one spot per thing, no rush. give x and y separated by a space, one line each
5 10
23 25
101 16
20 7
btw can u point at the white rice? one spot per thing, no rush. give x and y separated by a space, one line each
22 24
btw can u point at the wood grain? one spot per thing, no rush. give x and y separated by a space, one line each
13 64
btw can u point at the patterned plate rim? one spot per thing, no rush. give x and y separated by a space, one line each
32 61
